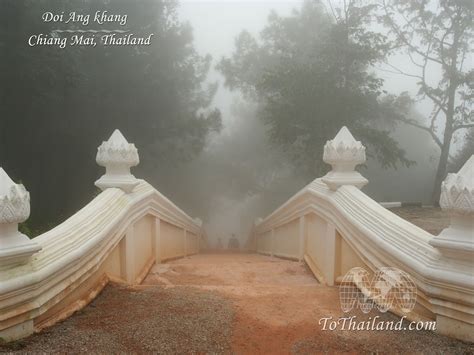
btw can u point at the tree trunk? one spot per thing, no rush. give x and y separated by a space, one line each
441 171
452 74
447 137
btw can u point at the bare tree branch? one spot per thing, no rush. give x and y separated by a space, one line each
461 126
428 89
424 128
402 37
434 117
399 71
329 2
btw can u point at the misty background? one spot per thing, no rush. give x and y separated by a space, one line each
202 129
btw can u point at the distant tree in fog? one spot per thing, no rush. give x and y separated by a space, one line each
437 36
310 73
238 164
57 105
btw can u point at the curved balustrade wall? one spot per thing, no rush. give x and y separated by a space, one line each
336 231
337 228
118 236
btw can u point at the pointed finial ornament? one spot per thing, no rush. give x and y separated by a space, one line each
117 156
15 247
344 153
457 198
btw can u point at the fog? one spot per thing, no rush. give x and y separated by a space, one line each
218 152
215 26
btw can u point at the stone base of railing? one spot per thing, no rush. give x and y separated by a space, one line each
20 251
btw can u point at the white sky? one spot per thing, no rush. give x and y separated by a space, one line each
217 23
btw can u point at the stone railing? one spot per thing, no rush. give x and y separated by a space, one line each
118 236
334 227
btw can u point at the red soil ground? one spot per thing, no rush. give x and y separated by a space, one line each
278 306
224 303
232 304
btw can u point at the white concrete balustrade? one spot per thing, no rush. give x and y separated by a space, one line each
334 227
344 153
457 197
117 156
118 236
15 247
330 224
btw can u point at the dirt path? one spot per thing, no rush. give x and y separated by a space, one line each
223 303
278 306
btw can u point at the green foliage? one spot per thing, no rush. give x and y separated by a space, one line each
25 229
33 231
311 76
58 105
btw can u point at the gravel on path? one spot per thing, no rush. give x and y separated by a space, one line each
152 320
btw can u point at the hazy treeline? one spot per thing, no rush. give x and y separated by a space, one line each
314 71
311 75
302 78
57 105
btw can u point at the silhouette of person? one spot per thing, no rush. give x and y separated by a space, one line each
233 243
